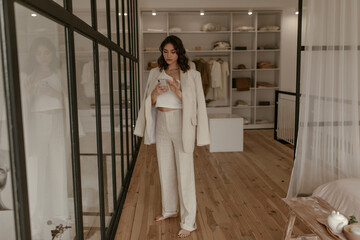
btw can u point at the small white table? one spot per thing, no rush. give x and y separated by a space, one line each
226 133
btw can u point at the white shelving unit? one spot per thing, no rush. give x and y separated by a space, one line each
260 46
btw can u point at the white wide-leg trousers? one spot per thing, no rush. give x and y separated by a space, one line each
176 169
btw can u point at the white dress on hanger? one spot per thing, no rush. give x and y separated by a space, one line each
46 154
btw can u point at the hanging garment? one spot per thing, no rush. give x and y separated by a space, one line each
222 92
87 78
46 153
203 67
192 65
215 73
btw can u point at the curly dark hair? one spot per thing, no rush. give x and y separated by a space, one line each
41 41
182 60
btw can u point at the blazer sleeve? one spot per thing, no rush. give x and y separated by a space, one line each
141 120
203 135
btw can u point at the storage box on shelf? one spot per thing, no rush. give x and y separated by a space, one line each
254 39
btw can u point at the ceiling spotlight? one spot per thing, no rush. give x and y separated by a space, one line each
153 13
202 13
125 14
297 12
250 12
33 15
119 14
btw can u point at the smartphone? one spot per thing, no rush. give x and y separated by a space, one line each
162 82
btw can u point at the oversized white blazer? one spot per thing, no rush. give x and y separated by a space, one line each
195 121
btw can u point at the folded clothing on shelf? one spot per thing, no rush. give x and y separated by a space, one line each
221 45
213 27
269 28
240 103
152 64
264 84
265 64
175 29
241 66
244 28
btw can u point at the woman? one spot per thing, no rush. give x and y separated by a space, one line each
172 112
44 107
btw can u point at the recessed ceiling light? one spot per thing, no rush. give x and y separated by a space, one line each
202 13
33 15
153 13
250 12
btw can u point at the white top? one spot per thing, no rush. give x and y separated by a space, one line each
168 99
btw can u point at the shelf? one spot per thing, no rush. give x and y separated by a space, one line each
234 89
268 50
267 69
200 32
267 88
243 70
242 51
243 107
159 32
236 32
277 31
268 106
209 51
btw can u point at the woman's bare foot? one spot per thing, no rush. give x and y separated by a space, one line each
183 233
161 218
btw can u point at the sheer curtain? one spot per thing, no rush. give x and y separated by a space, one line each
328 141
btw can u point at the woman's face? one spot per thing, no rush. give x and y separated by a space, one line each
170 54
43 56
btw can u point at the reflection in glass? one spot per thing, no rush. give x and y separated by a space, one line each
7 227
88 143
46 126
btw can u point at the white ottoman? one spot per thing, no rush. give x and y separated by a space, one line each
226 133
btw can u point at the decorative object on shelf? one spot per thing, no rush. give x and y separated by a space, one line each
213 27
268 47
244 28
197 48
264 103
265 65
337 222
240 48
147 49
240 103
242 84
152 64
269 28
175 29
241 66
264 85
221 45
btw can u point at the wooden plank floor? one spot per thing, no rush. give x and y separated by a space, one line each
238 194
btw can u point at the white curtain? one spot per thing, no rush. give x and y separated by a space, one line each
328 143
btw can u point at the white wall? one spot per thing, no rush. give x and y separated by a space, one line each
288 51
